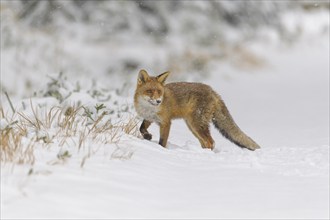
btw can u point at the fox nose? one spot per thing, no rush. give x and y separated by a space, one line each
158 101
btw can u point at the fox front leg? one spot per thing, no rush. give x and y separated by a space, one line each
143 129
164 133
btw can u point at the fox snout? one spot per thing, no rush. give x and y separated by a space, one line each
155 102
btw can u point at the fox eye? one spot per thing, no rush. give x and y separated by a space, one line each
158 91
149 91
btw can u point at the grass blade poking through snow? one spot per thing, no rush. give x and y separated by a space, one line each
70 126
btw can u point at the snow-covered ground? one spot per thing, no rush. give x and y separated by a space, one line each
284 106
280 98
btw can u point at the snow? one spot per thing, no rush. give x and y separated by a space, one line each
283 105
285 109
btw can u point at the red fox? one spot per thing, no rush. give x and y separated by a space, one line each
196 103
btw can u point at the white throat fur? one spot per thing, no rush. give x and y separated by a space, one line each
147 110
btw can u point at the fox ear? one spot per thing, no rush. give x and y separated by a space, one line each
162 77
143 77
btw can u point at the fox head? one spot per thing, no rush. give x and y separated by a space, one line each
150 88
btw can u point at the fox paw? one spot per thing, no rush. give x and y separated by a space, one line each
147 136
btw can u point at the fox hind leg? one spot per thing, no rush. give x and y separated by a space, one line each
202 132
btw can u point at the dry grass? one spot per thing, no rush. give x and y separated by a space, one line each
13 149
24 132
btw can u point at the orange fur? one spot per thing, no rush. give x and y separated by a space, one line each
196 103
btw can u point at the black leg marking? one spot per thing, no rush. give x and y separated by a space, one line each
161 142
143 129
147 136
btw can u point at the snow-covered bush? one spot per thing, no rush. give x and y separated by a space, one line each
109 41
62 114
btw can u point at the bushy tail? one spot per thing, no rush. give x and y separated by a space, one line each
223 121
